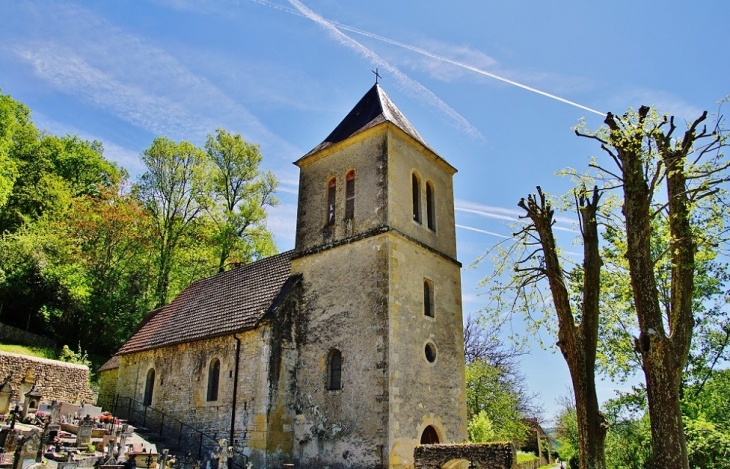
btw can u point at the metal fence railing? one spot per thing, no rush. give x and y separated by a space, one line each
183 438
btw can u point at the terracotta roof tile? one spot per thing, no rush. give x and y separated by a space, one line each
110 364
225 303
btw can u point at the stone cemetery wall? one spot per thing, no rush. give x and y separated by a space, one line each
57 380
481 456
13 335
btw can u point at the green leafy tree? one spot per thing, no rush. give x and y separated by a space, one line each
480 428
114 236
13 117
496 395
566 431
669 184
536 261
628 439
673 180
173 191
240 194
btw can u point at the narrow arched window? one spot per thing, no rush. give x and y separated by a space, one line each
149 387
331 200
416 186
429 436
428 298
214 371
334 374
430 209
350 195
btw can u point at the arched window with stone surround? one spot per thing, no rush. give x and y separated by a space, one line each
331 200
334 370
430 208
416 189
350 195
214 371
149 387
429 436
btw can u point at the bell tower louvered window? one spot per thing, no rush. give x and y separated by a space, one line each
350 195
331 200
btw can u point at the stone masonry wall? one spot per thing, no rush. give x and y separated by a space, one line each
107 388
481 456
344 308
367 157
57 380
180 388
14 335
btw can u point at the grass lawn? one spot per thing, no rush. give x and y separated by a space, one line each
32 351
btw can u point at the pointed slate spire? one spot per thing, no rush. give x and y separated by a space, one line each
374 108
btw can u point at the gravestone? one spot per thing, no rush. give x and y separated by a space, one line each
31 400
9 439
83 437
89 410
223 453
67 465
6 392
27 448
123 435
68 409
53 427
9 436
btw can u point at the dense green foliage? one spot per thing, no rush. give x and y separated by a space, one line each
86 252
651 289
496 400
706 419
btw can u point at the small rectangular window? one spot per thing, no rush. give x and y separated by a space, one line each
334 379
350 195
416 187
331 200
428 298
430 209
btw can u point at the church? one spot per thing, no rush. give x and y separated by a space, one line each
345 352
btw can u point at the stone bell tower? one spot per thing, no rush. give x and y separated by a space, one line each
381 362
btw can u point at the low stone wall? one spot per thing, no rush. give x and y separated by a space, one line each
481 456
13 335
534 464
57 380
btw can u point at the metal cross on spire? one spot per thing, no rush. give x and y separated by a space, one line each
377 75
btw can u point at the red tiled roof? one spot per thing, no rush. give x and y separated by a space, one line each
225 303
110 364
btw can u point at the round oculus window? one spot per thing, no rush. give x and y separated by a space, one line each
430 351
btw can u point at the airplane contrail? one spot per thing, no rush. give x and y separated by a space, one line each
409 83
435 56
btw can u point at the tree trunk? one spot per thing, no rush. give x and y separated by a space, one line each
663 353
576 342
590 421
667 432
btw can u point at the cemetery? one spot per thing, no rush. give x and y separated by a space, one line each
68 436
46 419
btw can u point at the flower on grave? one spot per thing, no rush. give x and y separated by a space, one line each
40 414
106 417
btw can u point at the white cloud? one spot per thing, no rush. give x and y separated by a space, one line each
126 158
445 71
282 220
408 84
661 101
83 55
492 233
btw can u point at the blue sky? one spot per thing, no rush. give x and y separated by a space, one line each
479 80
